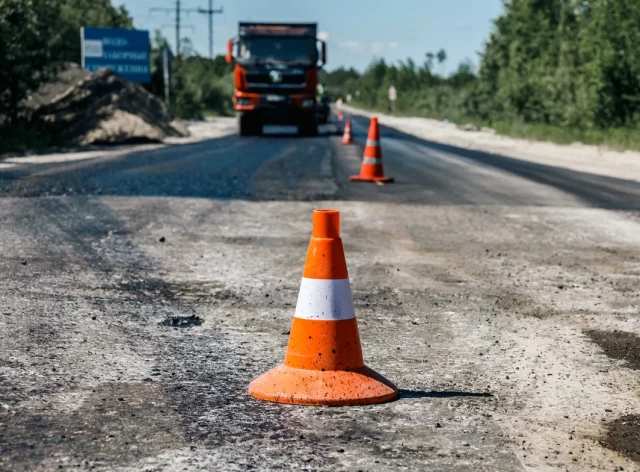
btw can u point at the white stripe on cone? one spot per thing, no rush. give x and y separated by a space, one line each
325 299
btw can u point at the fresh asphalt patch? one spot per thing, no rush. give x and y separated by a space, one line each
623 435
619 345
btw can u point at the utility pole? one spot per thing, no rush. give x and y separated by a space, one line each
177 27
178 9
210 12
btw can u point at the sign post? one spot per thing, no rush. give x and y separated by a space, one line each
393 95
166 72
124 51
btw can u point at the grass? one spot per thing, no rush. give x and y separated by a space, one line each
619 139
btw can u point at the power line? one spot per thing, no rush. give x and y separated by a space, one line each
210 12
178 9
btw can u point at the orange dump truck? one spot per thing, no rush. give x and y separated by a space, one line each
276 75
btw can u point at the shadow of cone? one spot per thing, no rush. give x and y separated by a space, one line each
323 364
371 169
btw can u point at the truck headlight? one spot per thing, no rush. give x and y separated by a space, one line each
308 103
244 101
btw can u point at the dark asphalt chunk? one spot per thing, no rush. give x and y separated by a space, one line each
618 345
182 321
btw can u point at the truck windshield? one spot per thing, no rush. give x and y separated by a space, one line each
278 49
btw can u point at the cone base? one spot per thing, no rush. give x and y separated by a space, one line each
330 388
357 178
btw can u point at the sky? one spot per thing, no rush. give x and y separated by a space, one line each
356 30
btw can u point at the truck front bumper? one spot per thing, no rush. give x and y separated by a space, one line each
276 108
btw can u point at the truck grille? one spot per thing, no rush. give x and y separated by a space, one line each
262 79
269 88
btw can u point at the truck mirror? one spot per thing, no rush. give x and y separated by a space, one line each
229 57
324 53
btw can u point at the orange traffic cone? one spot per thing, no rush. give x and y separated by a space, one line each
371 169
346 138
323 364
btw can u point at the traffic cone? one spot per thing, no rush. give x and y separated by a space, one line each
346 138
371 169
323 364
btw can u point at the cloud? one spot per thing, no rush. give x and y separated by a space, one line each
323 36
377 46
351 46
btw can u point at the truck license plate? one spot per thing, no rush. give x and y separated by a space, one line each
276 98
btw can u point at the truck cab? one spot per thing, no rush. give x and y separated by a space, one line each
276 75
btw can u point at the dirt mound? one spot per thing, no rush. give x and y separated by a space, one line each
102 108
67 76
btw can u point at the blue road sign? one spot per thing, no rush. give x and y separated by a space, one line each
124 51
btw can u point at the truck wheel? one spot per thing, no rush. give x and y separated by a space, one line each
243 126
308 128
249 127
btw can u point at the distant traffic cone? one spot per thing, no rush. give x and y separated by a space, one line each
323 364
346 138
371 169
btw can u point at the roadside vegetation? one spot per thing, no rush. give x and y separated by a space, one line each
560 70
200 86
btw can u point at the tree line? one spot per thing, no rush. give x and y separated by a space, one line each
36 36
562 63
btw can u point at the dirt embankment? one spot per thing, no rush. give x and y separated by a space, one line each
81 108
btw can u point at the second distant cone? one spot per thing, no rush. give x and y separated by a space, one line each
346 138
323 364
371 169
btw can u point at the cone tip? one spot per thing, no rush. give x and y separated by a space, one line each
326 223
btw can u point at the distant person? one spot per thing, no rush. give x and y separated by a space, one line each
320 92
393 95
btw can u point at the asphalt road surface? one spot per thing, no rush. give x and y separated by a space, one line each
492 291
